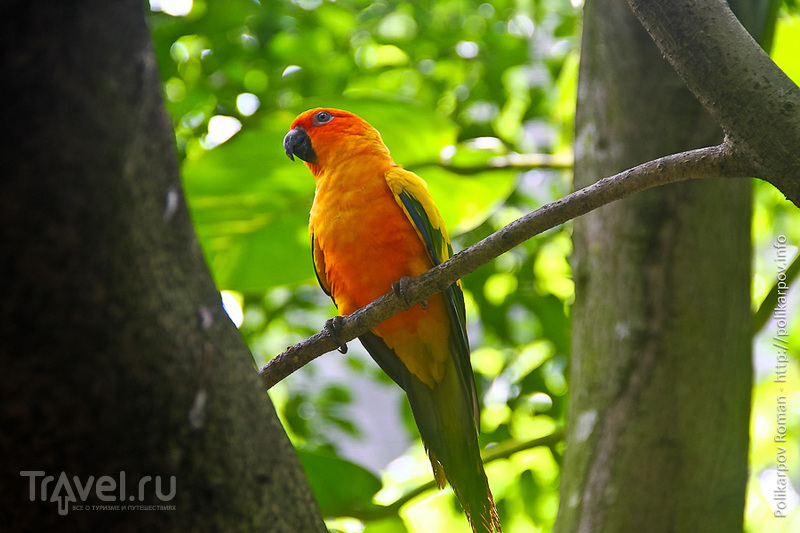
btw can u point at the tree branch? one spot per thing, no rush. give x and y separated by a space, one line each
751 98
780 288
503 162
714 161
501 451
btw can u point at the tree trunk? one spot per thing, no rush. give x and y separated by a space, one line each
660 381
116 354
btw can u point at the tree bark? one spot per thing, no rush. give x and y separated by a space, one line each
753 100
657 435
116 353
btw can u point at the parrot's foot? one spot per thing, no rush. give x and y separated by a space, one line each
333 326
400 288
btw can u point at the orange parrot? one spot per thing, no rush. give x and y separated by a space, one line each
373 224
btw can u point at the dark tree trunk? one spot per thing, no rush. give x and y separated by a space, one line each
660 381
116 354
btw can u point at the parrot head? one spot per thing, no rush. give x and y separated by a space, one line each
325 137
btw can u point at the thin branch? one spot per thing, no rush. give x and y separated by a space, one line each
504 162
710 162
780 288
501 451
509 448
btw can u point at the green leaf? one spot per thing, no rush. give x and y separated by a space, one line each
250 207
391 524
340 487
467 200
784 49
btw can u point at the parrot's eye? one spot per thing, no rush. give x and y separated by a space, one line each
323 117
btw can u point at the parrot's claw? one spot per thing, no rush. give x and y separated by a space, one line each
400 288
333 326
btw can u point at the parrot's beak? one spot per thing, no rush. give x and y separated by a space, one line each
298 143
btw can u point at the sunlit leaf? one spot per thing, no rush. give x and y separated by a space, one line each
340 487
786 45
250 208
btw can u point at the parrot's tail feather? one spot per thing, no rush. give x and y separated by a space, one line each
455 457
478 503
438 470
445 417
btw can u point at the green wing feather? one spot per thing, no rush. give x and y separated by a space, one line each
418 206
450 441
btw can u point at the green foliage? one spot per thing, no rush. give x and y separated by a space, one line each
339 499
450 85
773 217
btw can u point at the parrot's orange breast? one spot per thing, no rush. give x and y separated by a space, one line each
368 243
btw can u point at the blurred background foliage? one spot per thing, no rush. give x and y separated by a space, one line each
476 97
